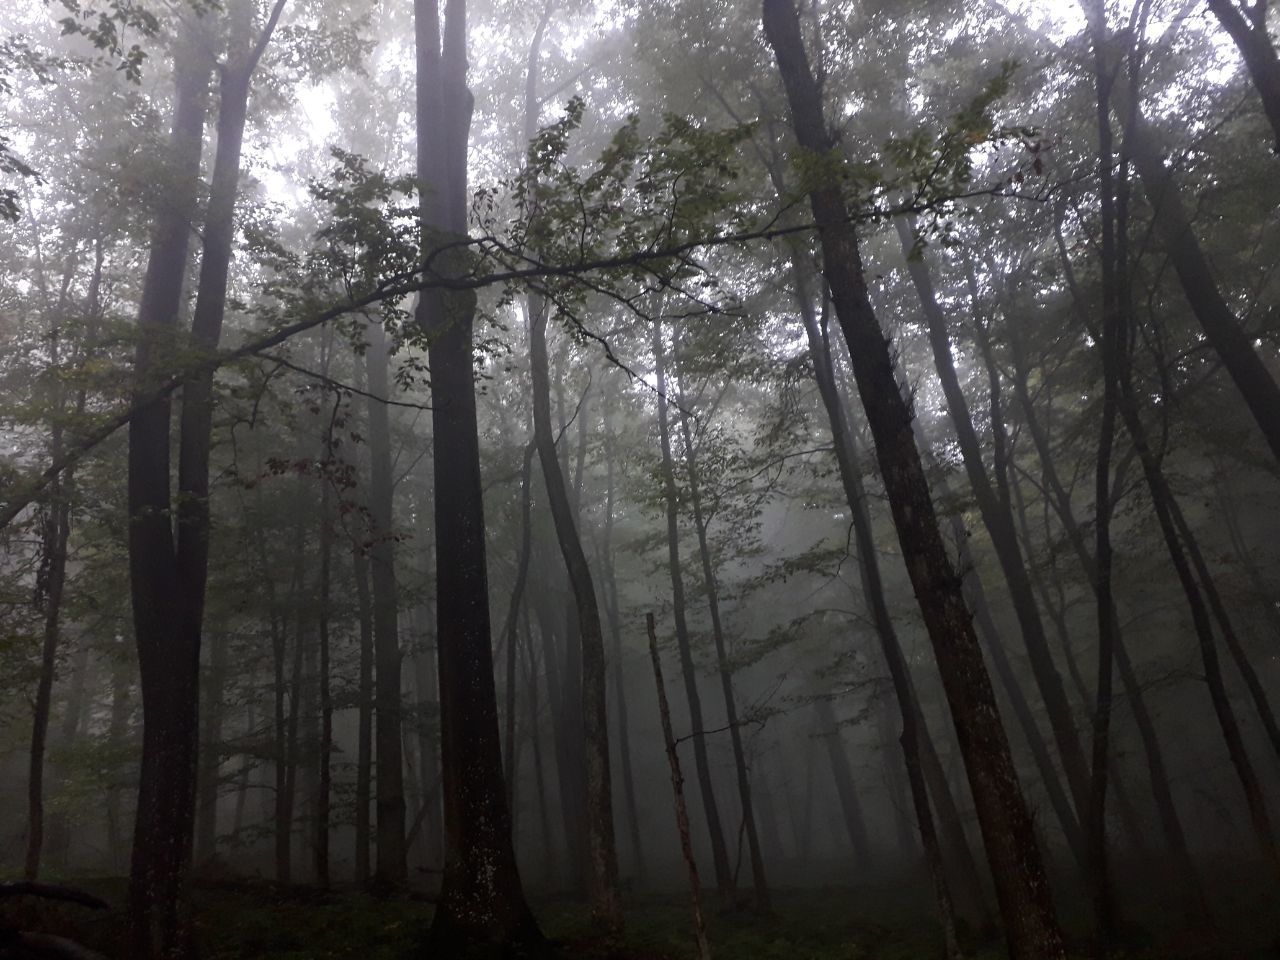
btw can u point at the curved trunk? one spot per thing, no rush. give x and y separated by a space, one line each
602 856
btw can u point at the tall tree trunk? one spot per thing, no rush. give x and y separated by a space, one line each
715 832
167 639
677 787
482 905
997 517
1157 772
208 781
1252 682
168 567
511 628
54 537
323 616
392 868
1162 498
535 734
615 631
920 743
1022 887
364 728
602 853
847 791
760 884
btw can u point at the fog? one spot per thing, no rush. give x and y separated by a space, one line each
390 391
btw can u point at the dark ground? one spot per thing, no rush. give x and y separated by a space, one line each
255 919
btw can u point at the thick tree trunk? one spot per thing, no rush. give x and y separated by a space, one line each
602 856
168 568
715 831
166 633
482 906
392 868
1022 888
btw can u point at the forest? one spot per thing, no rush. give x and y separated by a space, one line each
639 480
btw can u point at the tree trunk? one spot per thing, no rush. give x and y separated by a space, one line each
54 537
997 517
169 568
846 789
715 832
482 906
208 781
1162 794
850 468
602 853
166 634
392 869
1221 327
677 787
1162 500
760 884
1248 30
615 631
511 629
323 616
364 731
1030 925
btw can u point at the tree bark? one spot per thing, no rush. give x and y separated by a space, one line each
602 855
168 563
167 637
482 906
1022 887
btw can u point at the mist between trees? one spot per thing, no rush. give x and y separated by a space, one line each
649 480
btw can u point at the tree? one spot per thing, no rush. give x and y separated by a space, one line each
482 905
1022 888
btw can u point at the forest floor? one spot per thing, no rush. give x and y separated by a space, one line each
250 920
